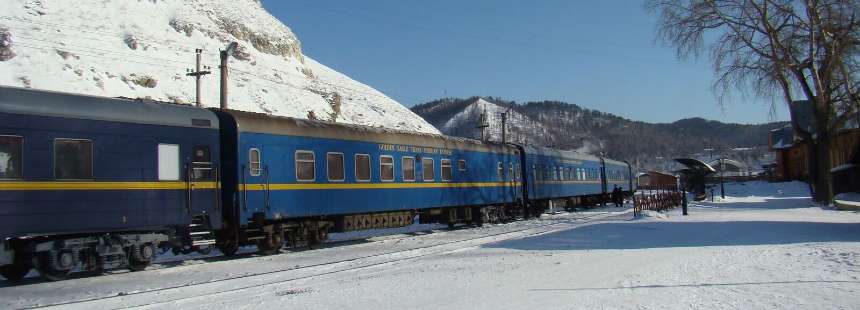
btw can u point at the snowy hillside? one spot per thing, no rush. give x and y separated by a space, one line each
571 127
142 49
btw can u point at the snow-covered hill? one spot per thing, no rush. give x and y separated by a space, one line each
571 127
142 49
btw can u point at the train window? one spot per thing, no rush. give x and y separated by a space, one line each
11 151
254 160
446 169
305 166
428 169
201 165
511 171
501 171
168 162
461 165
73 159
362 167
408 166
386 168
334 167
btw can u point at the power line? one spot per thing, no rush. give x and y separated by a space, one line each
94 31
52 48
97 50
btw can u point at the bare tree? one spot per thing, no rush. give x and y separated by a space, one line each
799 52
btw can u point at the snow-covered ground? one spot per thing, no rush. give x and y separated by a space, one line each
764 247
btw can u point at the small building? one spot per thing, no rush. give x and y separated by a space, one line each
792 157
656 180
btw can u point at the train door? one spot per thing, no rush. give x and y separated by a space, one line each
202 193
257 180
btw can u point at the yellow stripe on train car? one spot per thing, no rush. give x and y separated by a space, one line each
173 185
92 185
321 186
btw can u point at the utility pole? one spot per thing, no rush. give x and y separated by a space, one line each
198 74
504 127
225 55
482 124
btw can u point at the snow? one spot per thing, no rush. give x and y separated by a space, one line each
764 247
848 200
142 49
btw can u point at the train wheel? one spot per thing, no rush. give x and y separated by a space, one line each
14 272
271 244
55 266
205 251
140 257
228 248
313 239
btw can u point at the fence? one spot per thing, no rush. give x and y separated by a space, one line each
656 200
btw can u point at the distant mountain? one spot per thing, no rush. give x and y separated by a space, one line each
571 127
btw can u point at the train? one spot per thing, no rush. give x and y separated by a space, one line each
94 183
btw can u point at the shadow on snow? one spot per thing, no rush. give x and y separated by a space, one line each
647 235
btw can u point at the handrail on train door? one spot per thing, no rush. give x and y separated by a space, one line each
268 186
217 179
188 189
244 190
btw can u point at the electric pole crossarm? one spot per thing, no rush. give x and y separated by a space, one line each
198 74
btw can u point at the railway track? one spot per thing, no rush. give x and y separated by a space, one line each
236 283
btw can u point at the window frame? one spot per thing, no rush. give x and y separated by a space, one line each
403 168
20 173
251 162
313 162
92 159
393 176
432 170
463 161
342 167
369 167
442 170
500 171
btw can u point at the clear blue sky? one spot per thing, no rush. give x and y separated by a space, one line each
598 54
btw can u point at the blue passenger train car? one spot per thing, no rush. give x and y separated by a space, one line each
571 177
97 182
299 179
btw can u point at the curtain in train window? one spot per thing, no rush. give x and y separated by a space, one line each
305 166
362 167
73 159
334 165
408 168
11 150
427 168
386 168
446 169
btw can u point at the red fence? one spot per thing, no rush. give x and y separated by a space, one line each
656 200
